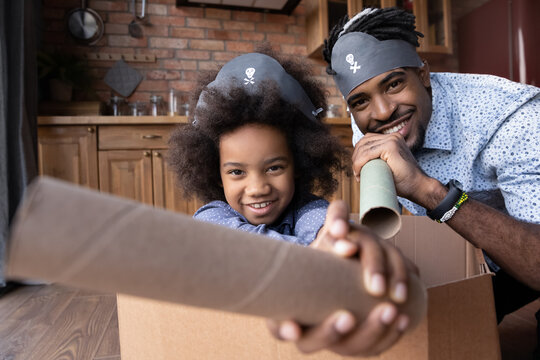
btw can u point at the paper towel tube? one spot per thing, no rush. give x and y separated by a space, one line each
379 208
78 237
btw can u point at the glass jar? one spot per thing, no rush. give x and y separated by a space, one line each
334 111
137 108
117 106
173 103
184 109
157 106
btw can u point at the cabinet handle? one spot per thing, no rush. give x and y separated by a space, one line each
151 136
91 130
146 153
157 154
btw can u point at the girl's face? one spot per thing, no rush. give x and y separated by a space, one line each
257 172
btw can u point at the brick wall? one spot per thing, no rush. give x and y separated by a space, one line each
184 40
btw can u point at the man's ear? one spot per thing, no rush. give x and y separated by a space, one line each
423 74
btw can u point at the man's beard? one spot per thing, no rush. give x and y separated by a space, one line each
419 141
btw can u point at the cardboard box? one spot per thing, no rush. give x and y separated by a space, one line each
461 322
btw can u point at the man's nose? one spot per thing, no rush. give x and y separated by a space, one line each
257 186
382 108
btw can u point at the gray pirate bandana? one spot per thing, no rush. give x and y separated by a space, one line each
358 57
250 70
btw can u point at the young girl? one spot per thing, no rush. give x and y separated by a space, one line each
256 149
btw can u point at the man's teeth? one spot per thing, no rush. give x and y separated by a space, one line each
395 128
261 205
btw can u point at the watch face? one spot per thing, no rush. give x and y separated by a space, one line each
456 184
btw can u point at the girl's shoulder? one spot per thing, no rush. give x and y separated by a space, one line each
213 209
311 202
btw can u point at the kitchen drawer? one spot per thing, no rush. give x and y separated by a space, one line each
134 137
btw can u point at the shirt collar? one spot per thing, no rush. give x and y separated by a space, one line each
438 134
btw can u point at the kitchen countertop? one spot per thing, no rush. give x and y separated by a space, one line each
132 120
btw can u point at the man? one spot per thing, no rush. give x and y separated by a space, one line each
463 149
480 130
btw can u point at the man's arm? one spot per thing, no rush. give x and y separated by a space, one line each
514 245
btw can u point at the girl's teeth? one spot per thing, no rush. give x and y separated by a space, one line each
395 128
260 205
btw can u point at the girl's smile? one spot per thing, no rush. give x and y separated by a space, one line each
257 172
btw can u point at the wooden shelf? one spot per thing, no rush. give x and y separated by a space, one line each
110 120
138 120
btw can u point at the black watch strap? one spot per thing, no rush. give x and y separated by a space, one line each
455 190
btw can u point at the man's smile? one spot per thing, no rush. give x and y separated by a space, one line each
398 127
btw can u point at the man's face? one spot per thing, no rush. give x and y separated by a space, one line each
395 101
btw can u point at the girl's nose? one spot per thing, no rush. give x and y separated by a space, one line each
257 186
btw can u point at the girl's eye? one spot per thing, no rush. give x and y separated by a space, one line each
235 172
275 168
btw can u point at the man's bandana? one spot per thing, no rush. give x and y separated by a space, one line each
358 57
250 70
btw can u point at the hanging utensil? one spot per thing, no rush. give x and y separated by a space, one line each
134 28
85 25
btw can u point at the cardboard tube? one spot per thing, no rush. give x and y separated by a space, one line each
379 208
78 237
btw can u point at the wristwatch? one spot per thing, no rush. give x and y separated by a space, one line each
455 191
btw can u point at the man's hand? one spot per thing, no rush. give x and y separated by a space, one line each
384 269
409 179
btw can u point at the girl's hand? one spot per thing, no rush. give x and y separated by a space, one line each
341 334
384 268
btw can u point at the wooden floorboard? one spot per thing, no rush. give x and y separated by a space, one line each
56 322
109 344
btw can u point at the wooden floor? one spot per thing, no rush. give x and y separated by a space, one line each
56 322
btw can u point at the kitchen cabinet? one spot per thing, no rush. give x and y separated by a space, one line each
127 160
126 156
69 153
433 19
348 189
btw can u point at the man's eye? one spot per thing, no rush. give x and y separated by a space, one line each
394 84
359 103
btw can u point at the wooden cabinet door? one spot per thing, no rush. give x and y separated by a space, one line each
127 173
349 188
166 193
69 153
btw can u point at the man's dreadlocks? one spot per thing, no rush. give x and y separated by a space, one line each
383 24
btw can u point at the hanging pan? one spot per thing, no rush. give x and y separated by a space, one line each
85 25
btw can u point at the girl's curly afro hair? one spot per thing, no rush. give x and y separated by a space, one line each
194 148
